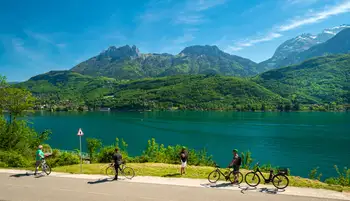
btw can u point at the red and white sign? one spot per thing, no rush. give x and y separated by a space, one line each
80 132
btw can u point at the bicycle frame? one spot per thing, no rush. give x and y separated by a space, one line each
268 180
121 167
223 174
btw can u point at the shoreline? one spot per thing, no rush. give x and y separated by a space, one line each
237 111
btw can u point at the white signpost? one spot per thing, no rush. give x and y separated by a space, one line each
80 133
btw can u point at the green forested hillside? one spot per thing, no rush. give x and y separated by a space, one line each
318 80
67 88
182 91
322 81
194 92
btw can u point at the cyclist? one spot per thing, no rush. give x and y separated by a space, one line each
183 157
118 160
235 163
39 156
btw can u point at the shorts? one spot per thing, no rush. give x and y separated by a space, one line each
235 168
183 164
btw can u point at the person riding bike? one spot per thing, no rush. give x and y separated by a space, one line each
235 163
39 156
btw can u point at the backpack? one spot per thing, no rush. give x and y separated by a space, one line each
239 161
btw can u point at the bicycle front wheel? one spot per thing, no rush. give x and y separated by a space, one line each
128 172
239 176
280 181
252 179
214 176
46 168
110 171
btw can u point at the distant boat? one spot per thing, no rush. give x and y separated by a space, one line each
105 109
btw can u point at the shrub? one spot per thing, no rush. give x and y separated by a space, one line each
314 174
246 159
343 178
13 159
93 145
105 154
60 158
170 154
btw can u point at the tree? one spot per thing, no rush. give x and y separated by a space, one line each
15 101
3 81
3 86
92 145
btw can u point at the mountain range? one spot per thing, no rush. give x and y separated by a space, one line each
128 63
291 51
204 77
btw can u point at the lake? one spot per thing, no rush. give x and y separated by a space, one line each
298 140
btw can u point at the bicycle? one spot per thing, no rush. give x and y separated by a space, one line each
229 175
45 167
276 179
127 172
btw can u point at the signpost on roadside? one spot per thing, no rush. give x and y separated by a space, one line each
80 133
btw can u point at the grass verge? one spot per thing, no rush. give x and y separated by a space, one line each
194 172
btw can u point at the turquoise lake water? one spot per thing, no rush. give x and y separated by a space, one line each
298 140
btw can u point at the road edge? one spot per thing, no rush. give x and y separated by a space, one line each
200 183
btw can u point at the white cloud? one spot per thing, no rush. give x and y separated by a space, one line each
21 50
317 16
310 18
61 45
188 19
202 5
251 42
189 12
17 44
44 38
233 49
187 37
292 2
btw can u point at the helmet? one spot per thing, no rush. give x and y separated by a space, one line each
235 150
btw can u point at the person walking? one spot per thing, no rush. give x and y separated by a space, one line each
184 158
118 160
39 155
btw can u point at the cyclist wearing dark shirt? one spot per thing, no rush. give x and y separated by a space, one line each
235 163
118 160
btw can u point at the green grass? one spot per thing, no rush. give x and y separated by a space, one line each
194 172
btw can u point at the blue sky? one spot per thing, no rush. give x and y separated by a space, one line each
39 36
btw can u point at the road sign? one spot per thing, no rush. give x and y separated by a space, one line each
80 132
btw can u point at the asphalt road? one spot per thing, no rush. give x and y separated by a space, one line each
29 188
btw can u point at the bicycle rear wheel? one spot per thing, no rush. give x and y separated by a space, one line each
128 172
46 168
252 179
280 181
239 176
214 176
110 171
